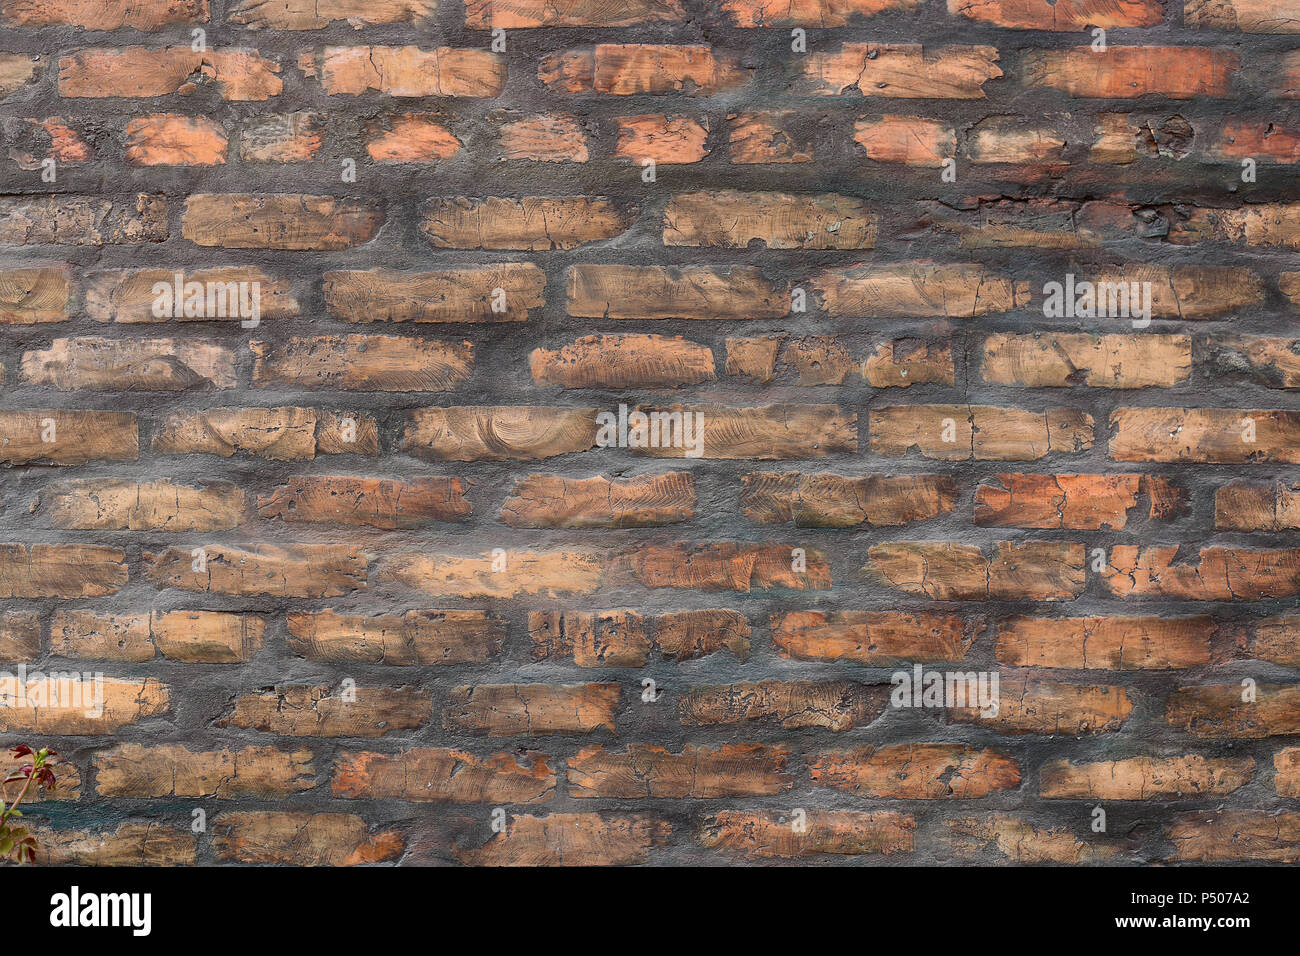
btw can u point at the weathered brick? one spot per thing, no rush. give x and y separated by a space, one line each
825 500
535 223
20 636
767 137
1058 359
416 637
510 710
509 573
317 14
1218 710
405 71
410 138
1125 72
1219 574
60 436
123 504
133 843
279 221
174 770
767 834
665 140
443 776
128 295
1106 643
82 220
831 705
1029 706
75 707
524 14
918 289
733 220
460 294
731 566
623 361
1074 15
37 295
301 710
362 363
276 434
149 365
917 772
544 138
137 71
701 773
628 69
876 638
199 637
286 138
570 839
498 433
371 502
104 14
978 432
546 501
299 570
170 139
60 570
1015 840
1214 435
1075 502
1146 778
899 70
1255 835
301 839
660 292
951 571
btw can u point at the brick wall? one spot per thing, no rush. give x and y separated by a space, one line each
366 580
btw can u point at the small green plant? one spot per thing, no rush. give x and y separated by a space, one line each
16 842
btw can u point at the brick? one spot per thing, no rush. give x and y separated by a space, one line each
1030 706
917 772
819 14
544 138
979 432
753 359
525 14
688 635
299 570
513 573
75 708
906 362
732 219
34 141
950 571
659 292
141 72
75 437
1146 778
623 361
146 15
410 138
437 775
276 434
1014 840
1276 639
667 140
498 433
173 770
535 223
599 639
316 15
766 433
148 365
1064 17
301 710
768 834
874 638
368 502
133 843
571 839
1256 835
825 500
831 705
199 637
899 70
301 839
1220 574
1105 643
1057 360
772 136
510 710
697 773
1271 362
127 295
60 570
459 294
546 501
169 139
1125 72
416 637
919 290
1189 293
1217 710
82 220
1286 779
123 504
911 140
1214 435
1257 506
628 69
405 71
34 296
363 363
20 636
1248 16
731 566
1263 224
16 71
279 221
1007 139
67 782
1073 502
286 138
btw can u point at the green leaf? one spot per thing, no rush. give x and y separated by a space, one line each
6 846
